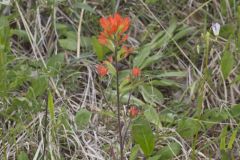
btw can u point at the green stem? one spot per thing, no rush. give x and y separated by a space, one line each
45 132
118 106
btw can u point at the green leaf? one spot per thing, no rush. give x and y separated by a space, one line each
171 74
51 106
143 135
63 118
188 127
21 34
168 152
54 64
99 49
62 28
184 31
223 137
158 36
107 113
134 152
166 38
128 87
151 94
85 41
227 63
84 6
165 83
22 101
142 56
150 60
227 30
232 138
22 156
237 79
151 1
111 68
152 116
39 86
225 155
167 117
223 7
213 116
111 96
4 49
235 110
68 44
55 60
82 118
17 76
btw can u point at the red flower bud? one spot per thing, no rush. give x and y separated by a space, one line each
133 111
101 70
136 72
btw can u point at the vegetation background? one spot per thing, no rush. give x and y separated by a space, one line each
188 94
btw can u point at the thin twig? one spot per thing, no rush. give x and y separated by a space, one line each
79 32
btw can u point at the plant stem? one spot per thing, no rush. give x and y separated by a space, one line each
45 132
128 103
118 106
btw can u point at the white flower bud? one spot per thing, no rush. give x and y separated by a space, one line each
216 28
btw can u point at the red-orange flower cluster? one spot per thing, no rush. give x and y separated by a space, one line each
136 72
113 29
102 70
133 111
114 24
103 39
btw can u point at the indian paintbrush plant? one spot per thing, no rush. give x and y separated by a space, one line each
114 37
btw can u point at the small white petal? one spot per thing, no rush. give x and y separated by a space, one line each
216 28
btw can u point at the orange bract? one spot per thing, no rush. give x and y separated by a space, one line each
113 24
136 72
113 29
101 70
102 39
